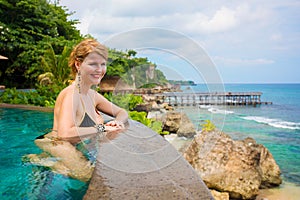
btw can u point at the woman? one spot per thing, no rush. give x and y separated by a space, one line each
77 113
74 113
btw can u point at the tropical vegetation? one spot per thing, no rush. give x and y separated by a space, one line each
37 36
151 123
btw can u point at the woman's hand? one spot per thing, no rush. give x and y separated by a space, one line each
112 129
115 124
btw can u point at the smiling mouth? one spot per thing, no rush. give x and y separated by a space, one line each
97 75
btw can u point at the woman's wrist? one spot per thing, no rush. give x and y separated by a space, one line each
100 128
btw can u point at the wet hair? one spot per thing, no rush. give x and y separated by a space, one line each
83 49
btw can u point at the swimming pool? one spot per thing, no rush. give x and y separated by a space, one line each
20 180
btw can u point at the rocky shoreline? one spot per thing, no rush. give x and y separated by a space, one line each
231 169
285 191
239 168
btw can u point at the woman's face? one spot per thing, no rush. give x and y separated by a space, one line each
92 69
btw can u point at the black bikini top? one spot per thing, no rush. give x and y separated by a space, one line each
87 121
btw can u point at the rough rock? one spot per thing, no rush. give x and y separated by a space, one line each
172 122
219 195
157 114
176 122
145 107
237 167
186 127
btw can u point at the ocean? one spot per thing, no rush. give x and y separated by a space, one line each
276 126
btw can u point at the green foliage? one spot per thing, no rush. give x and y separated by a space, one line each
127 101
208 126
140 117
37 37
108 96
25 26
149 85
182 82
31 97
50 92
132 69
33 33
57 65
151 123
157 127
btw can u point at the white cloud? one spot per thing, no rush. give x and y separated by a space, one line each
242 62
235 30
192 18
222 20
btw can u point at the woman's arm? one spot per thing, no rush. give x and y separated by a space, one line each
107 107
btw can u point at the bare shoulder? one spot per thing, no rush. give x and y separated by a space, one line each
65 97
66 92
96 95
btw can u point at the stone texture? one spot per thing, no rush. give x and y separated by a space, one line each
186 127
157 115
237 167
172 121
176 122
220 195
140 164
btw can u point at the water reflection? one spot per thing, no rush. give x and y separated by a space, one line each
129 163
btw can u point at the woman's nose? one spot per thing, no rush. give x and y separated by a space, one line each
101 68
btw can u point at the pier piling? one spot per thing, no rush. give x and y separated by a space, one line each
212 98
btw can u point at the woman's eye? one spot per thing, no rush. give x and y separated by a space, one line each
97 64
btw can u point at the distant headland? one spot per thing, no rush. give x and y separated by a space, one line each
181 82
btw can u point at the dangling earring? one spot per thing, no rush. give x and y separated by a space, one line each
79 81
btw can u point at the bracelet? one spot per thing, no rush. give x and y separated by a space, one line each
100 128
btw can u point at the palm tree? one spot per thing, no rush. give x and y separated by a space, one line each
56 68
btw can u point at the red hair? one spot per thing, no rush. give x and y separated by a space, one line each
83 49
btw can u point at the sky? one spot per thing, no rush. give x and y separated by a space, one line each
229 41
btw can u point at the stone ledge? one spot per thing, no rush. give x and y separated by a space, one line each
26 107
140 164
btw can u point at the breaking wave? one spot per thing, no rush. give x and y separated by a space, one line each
277 123
220 111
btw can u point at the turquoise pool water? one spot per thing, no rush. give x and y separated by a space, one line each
18 180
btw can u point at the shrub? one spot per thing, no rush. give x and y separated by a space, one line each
41 96
127 101
151 123
208 126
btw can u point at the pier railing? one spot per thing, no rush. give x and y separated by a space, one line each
211 98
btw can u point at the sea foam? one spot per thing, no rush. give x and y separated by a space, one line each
220 111
277 123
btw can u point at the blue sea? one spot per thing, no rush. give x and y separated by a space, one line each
276 126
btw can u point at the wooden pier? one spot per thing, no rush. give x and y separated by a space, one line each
211 98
